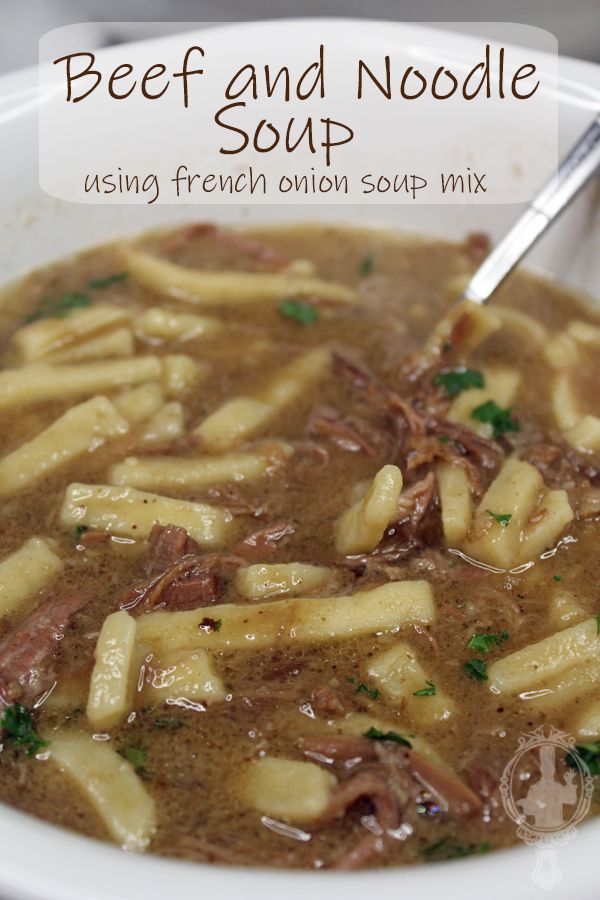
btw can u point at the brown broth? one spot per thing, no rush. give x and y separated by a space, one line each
193 760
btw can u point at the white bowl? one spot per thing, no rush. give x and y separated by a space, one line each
41 862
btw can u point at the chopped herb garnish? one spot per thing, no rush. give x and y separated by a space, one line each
209 625
135 756
598 624
17 722
501 518
483 643
376 735
79 530
455 381
428 691
167 724
588 754
363 688
98 283
444 439
59 307
299 311
366 265
500 419
476 668
446 848
557 577
446 347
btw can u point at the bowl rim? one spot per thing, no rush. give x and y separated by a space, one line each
39 861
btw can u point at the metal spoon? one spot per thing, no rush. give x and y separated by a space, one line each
574 172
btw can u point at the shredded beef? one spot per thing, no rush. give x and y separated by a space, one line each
263 543
392 778
27 653
418 522
352 433
560 465
477 245
259 256
180 575
166 546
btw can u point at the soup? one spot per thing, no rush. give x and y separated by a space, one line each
294 547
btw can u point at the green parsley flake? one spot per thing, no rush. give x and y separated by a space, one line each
455 381
476 669
447 848
210 625
500 419
501 518
166 723
557 577
363 688
98 283
483 643
376 735
598 624
79 530
59 307
299 311
366 265
17 722
428 691
135 756
589 754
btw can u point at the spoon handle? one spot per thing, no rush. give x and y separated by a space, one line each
576 169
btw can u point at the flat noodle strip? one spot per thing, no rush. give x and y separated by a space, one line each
50 337
112 683
564 402
292 579
129 513
287 789
465 327
522 324
586 724
517 517
501 386
207 288
455 498
81 430
398 674
182 675
110 784
117 343
558 693
38 382
167 424
584 435
141 402
281 622
529 668
584 333
580 430
180 372
361 527
24 573
167 325
240 418
164 473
